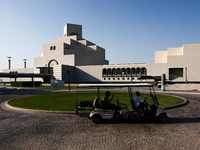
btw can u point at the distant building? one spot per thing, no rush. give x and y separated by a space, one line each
86 62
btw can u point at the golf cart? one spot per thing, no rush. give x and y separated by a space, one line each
100 113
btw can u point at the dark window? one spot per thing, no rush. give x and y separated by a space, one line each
133 71
114 72
175 73
123 72
109 72
144 71
73 33
118 72
138 73
128 72
104 72
52 47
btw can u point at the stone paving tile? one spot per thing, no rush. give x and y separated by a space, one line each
22 131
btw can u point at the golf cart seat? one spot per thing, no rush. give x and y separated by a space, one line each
139 111
95 103
119 105
102 104
83 106
136 108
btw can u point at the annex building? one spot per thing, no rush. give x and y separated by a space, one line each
83 61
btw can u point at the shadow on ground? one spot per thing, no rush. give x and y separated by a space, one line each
136 121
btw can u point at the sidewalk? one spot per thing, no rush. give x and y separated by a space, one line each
169 90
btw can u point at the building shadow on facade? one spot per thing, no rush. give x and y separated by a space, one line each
82 76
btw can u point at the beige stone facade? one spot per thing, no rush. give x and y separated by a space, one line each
182 62
85 61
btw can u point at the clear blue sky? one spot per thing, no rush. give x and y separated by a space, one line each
129 30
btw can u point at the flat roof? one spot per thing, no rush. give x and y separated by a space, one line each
117 85
17 75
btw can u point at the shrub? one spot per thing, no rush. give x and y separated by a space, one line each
26 83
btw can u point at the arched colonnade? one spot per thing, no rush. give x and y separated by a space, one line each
124 72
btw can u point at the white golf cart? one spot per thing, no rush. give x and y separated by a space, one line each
99 112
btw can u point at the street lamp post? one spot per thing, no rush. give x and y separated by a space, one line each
25 62
9 62
68 73
51 82
186 75
131 75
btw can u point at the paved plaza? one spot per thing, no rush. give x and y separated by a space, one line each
43 131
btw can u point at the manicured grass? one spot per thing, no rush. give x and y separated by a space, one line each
67 101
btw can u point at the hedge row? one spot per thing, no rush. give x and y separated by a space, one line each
26 83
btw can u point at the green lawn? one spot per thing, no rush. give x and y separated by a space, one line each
67 101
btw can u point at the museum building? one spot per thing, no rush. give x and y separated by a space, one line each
83 61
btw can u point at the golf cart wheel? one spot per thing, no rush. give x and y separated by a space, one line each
163 118
97 119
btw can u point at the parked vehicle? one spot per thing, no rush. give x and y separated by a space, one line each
1 82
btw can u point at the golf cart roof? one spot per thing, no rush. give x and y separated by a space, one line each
116 85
